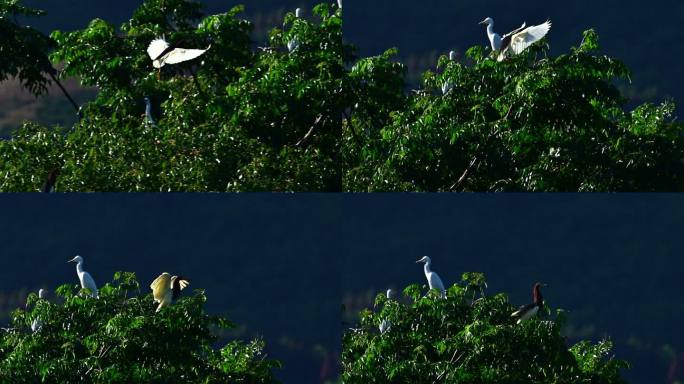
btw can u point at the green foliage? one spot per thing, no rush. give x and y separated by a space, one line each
23 49
530 123
236 119
118 338
469 337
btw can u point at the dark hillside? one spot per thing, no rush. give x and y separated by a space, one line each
19 105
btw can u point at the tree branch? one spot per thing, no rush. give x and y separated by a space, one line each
457 185
68 96
311 130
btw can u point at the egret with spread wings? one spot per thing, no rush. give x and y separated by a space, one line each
162 53
166 289
515 42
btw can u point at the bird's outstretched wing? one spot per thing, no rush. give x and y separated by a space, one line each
160 286
156 48
180 55
522 310
523 39
515 31
178 283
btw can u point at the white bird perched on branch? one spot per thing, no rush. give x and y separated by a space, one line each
385 324
166 289
162 53
84 277
448 85
294 42
37 322
515 42
432 277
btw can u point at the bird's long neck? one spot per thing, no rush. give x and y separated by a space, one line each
79 267
426 268
536 294
490 31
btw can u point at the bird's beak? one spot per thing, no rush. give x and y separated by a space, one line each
483 22
72 260
419 261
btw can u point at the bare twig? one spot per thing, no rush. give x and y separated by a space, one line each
68 96
311 131
464 176
450 362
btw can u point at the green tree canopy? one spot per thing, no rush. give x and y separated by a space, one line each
119 338
530 123
467 337
24 50
236 119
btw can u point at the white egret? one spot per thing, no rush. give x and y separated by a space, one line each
85 278
432 277
148 112
166 289
294 42
448 85
526 311
162 53
37 322
515 42
385 324
389 294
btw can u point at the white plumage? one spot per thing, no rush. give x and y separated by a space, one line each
525 313
84 277
517 41
166 289
161 53
385 324
389 294
293 44
37 322
432 277
447 85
